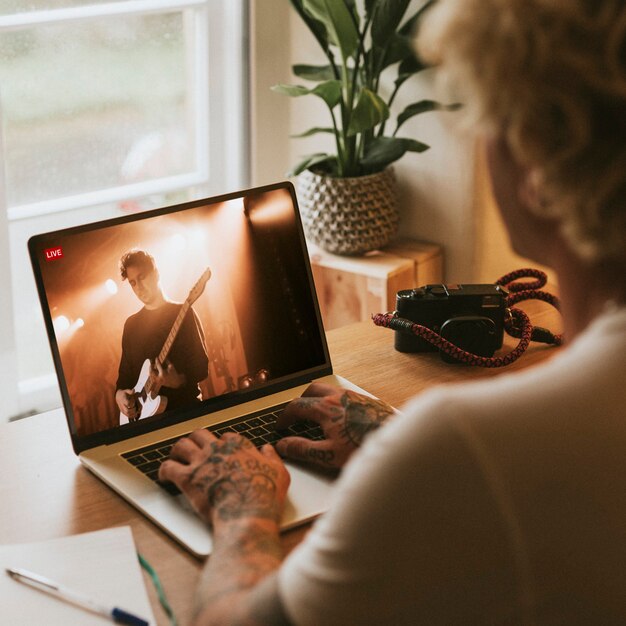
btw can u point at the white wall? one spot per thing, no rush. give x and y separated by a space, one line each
437 196
270 43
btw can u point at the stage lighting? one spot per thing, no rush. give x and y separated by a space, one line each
111 286
61 324
79 323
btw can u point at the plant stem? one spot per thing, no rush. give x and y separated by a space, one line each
381 130
346 109
360 55
393 95
333 65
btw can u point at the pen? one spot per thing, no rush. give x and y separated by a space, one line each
63 593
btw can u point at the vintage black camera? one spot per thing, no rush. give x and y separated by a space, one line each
469 316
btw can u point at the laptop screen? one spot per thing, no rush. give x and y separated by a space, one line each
165 315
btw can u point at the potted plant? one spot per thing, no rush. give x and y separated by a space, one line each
349 198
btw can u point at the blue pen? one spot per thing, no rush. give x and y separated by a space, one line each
68 595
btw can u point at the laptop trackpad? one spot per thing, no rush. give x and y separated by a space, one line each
309 495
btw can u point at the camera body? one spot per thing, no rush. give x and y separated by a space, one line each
469 316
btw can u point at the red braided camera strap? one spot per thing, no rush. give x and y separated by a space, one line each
517 324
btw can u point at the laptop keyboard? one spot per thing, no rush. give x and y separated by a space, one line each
257 427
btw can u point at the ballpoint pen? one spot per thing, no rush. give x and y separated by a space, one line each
68 595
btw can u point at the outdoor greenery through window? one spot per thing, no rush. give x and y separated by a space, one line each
106 108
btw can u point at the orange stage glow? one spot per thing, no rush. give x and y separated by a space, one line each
271 211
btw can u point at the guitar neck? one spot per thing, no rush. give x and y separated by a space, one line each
174 332
194 294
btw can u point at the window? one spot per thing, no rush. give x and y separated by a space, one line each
106 108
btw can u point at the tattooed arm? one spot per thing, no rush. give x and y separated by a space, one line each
240 492
346 417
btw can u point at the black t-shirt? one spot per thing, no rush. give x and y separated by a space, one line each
144 335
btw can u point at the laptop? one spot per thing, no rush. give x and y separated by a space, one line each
220 292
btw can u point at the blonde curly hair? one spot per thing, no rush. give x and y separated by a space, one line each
551 76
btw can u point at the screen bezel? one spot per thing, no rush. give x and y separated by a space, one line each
38 242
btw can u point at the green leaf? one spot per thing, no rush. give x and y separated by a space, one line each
310 161
354 10
291 90
314 131
370 110
408 29
370 7
386 20
385 150
409 66
412 145
318 72
423 106
399 48
329 91
316 27
314 72
339 23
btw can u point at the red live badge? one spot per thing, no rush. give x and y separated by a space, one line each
53 253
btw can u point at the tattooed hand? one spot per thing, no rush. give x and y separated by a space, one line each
346 417
227 478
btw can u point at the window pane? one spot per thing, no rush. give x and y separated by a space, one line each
104 104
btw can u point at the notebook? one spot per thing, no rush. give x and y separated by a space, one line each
100 565
219 293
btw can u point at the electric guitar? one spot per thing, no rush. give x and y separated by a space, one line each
146 390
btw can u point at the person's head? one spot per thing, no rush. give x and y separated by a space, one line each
139 268
545 82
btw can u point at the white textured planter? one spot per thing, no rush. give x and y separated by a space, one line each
349 215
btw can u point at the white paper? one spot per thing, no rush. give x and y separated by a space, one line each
102 565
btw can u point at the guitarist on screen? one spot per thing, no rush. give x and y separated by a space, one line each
163 351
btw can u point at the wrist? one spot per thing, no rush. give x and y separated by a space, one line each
245 552
247 516
243 524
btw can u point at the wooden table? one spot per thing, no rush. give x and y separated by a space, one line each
46 493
